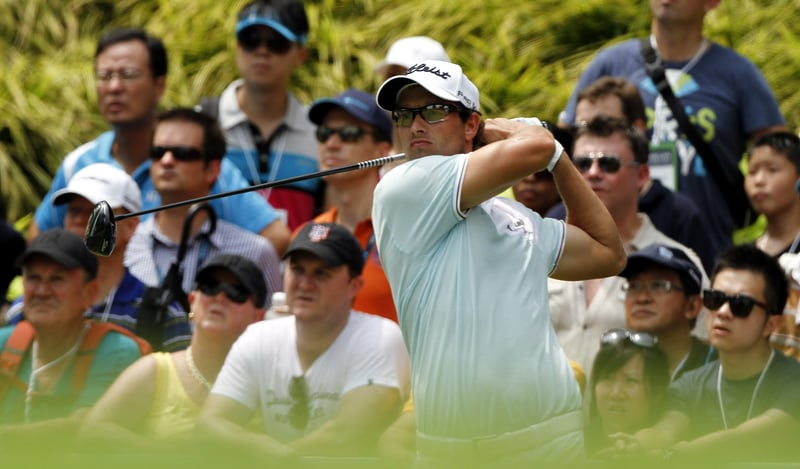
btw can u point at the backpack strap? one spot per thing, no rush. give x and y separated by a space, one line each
730 183
12 356
86 352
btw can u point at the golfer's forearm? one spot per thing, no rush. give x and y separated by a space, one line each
586 212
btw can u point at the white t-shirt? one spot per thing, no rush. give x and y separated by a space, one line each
259 368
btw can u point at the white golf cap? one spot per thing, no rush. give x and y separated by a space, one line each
102 181
408 51
442 79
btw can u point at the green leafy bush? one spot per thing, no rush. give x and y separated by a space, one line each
524 56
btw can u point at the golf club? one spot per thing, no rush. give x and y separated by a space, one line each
101 231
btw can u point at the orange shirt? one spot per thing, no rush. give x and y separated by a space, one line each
375 296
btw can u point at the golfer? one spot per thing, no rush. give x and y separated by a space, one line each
468 270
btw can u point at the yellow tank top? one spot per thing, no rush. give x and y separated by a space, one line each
173 412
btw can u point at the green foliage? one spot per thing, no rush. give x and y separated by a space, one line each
524 56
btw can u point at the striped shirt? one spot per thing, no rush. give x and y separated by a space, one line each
150 253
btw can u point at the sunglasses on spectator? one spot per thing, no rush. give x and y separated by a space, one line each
741 305
180 153
252 38
656 287
298 412
432 114
617 336
235 293
608 164
348 133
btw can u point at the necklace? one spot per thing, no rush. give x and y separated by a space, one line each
752 397
194 371
29 392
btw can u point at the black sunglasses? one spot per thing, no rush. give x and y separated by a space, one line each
235 293
432 113
348 133
608 164
180 153
298 412
616 336
741 305
252 38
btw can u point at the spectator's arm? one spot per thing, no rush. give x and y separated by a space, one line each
769 436
113 419
398 443
278 234
222 423
364 413
672 428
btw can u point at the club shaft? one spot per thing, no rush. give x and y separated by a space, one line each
266 185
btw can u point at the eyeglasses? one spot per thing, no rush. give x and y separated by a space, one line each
348 133
235 293
616 336
741 305
180 153
656 287
125 75
608 164
298 412
252 38
432 114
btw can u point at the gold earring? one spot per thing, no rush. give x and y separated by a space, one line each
191 315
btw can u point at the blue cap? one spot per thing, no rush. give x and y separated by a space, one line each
286 17
666 256
358 104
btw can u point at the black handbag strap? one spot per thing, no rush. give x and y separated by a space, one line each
731 184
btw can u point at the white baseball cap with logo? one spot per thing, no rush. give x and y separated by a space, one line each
442 79
408 51
102 181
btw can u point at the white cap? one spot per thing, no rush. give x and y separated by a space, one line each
407 51
443 79
102 181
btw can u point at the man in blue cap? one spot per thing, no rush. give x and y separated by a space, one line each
662 297
352 128
266 127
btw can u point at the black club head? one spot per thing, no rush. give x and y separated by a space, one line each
101 231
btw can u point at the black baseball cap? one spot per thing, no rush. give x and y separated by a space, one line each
332 243
64 247
666 256
250 276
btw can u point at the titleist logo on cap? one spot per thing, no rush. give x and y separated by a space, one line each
425 68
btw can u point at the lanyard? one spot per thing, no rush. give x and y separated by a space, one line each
752 397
